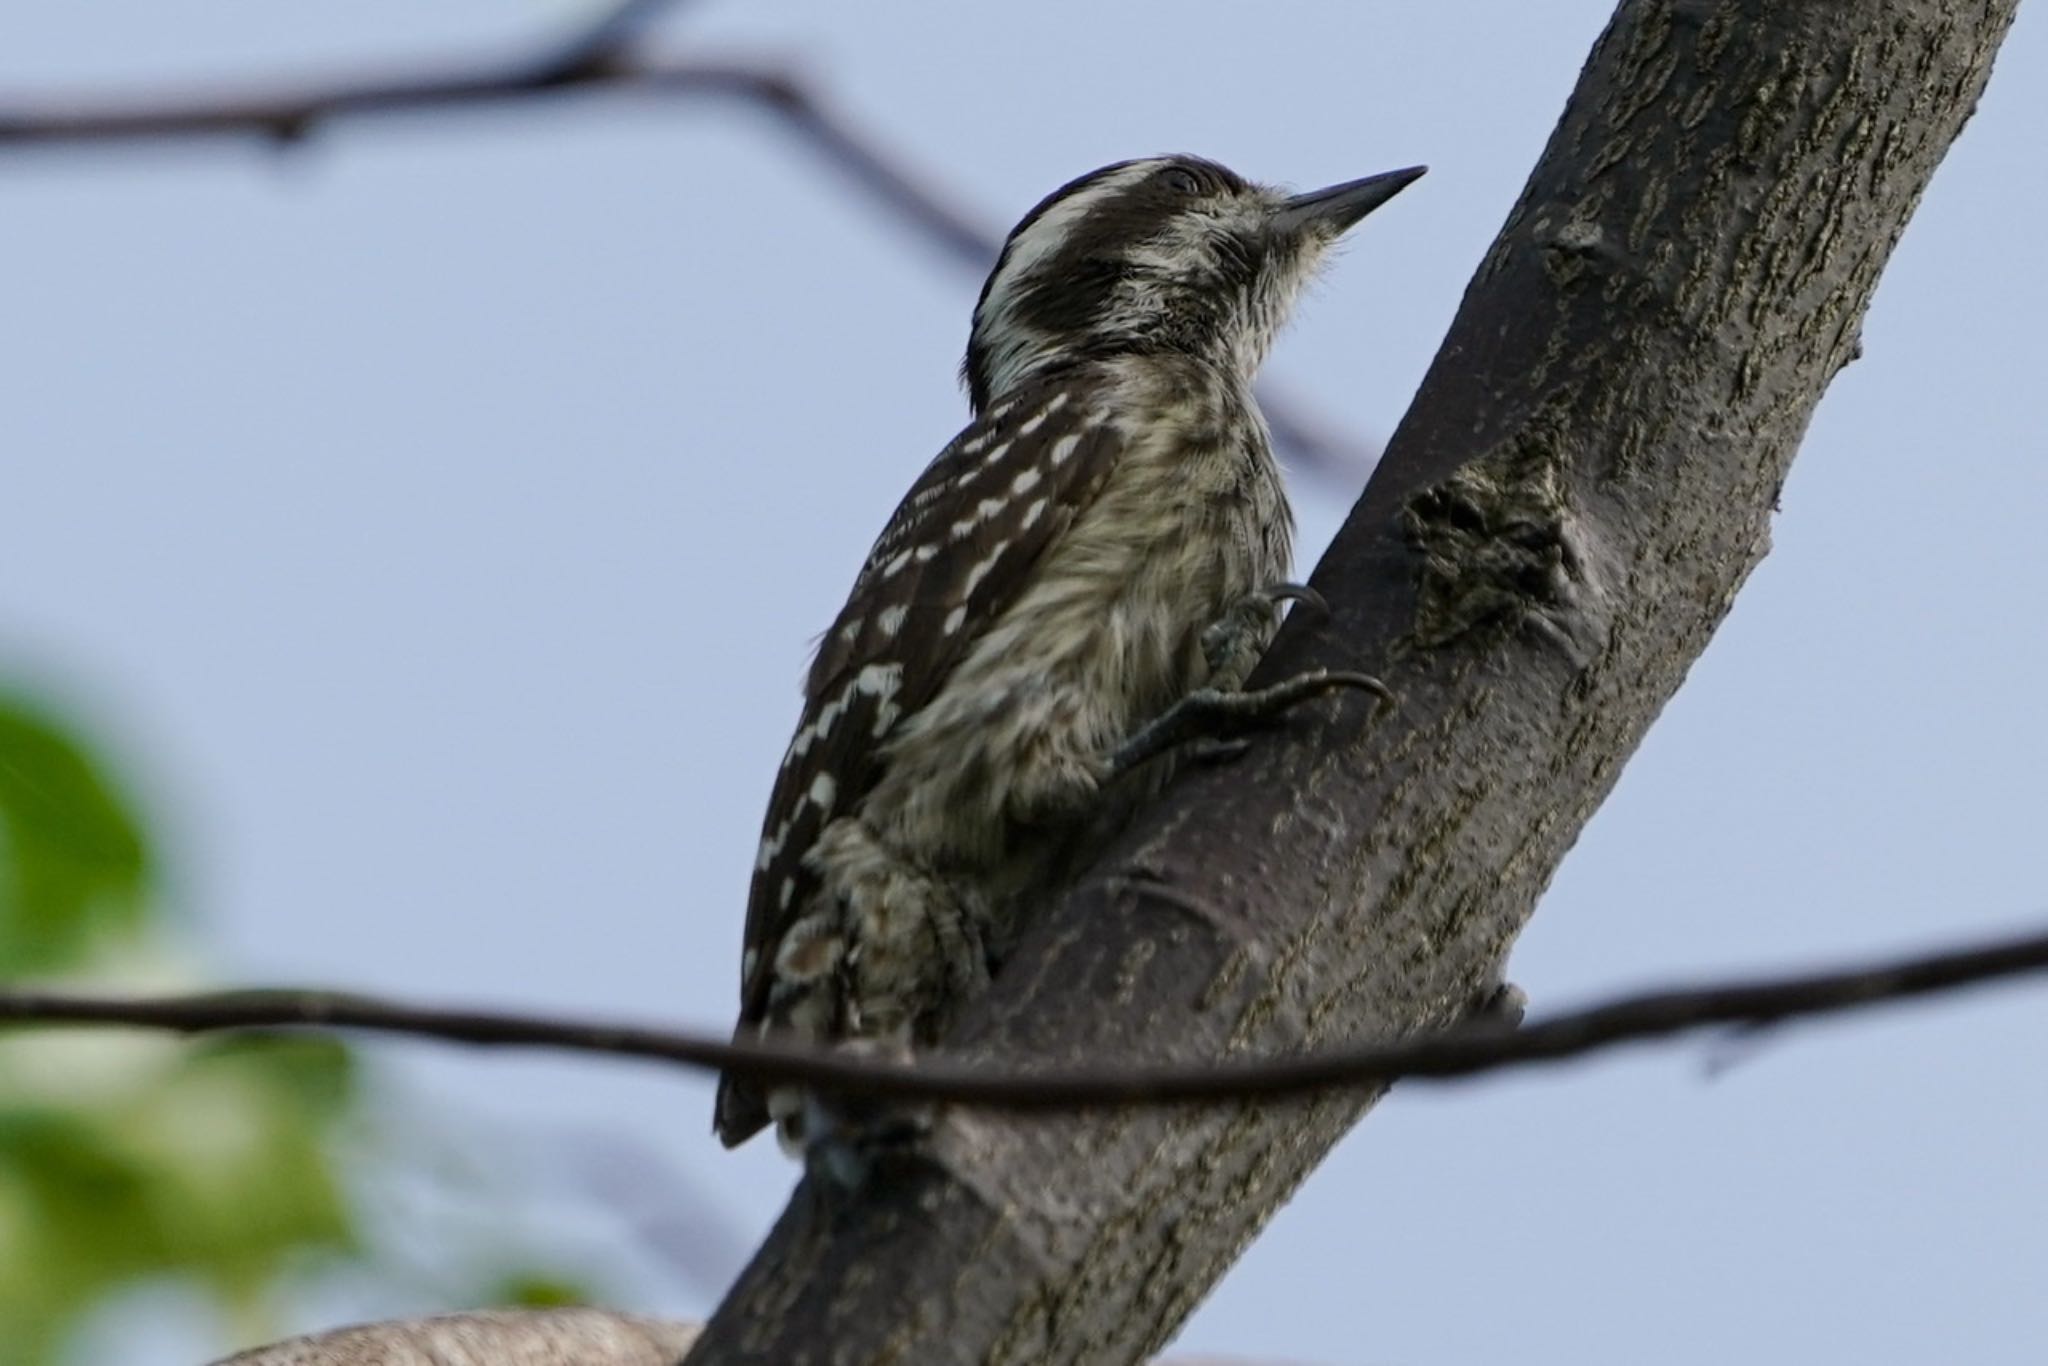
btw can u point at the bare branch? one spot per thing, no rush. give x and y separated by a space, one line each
597 58
611 34
499 1337
593 53
1457 1053
518 1337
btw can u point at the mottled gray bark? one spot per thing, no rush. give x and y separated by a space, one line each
516 1337
499 1337
1584 481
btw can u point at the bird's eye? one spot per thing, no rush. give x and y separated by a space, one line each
1181 181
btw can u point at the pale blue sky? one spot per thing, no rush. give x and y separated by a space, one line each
439 515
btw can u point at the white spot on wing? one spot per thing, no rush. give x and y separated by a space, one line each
880 680
980 572
823 790
1063 449
1033 513
955 619
820 727
800 746
1024 482
771 846
891 619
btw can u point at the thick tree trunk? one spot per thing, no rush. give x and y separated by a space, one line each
1584 481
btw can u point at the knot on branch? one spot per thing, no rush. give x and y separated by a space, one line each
1502 546
1576 250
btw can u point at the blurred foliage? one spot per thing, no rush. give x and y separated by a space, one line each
208 1163
532 1290
73 862
128 1156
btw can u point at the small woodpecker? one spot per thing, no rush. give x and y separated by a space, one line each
1103 548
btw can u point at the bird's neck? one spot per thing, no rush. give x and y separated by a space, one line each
1223 379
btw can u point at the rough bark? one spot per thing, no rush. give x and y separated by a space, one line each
517 1337
1583 482
498 1337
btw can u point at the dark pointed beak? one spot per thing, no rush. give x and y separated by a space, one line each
1336 208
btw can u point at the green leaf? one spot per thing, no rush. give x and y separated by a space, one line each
74 864
212 1163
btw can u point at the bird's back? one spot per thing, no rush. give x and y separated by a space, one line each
1040 592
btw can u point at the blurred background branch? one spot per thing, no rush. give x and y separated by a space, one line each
605 57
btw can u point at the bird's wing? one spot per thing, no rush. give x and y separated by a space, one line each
958 551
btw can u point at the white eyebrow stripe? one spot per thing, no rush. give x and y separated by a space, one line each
1051 229
1040 242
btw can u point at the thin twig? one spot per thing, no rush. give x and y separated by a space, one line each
1458 1053
599 57
597 41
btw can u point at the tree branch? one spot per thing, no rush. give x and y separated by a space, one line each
599 58
1585 479
517 1337
497 1337
600 41
1462 1053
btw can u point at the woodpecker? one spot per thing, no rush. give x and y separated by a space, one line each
1102 547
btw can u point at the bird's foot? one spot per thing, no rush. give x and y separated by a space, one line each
847 1139
1501 1006
1233 642
1221 718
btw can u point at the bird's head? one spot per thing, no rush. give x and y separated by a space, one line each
1167 255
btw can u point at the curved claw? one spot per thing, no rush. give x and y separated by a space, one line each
1300 593
1332 679
1210 714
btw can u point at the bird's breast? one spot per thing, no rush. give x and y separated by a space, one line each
1105 635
